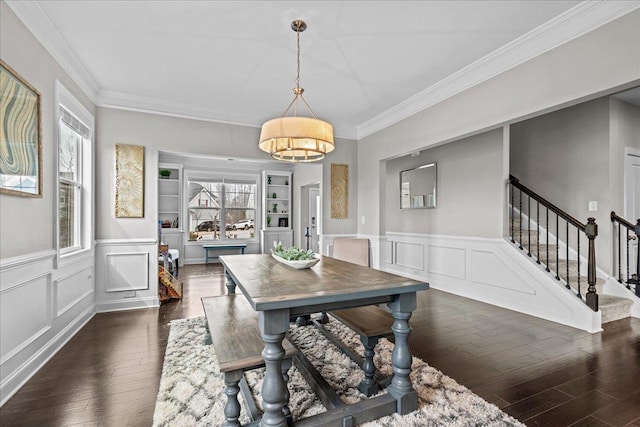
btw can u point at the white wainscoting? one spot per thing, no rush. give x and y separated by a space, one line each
41 308
487 270
127 274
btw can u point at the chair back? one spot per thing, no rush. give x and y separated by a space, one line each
352 250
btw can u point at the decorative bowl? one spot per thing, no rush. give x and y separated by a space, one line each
298 265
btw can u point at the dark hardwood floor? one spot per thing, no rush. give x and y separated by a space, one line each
542 373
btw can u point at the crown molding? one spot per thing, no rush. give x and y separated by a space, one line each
577 21
34 18
144 104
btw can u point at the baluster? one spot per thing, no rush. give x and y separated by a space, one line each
557 246
547 263
529 225
567 246
513 240
620 255
626 235
591 230
538 231
520 242
637 281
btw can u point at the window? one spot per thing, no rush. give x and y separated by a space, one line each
222 208
74 174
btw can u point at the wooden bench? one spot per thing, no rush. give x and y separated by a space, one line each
207 248
371 323
234 333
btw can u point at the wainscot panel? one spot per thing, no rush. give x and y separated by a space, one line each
491 271
126 274
41 308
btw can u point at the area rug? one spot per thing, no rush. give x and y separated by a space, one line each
191 387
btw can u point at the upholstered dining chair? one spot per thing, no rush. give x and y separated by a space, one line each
352 250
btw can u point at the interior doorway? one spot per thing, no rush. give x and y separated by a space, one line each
311 217
632 197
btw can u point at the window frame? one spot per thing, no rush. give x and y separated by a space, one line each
223 178
83 185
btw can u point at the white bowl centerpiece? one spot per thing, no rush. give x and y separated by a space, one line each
293 257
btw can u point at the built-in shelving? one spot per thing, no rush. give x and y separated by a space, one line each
276 209
169 197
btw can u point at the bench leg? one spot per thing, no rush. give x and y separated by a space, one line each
368 385
323 318
232 407
303 320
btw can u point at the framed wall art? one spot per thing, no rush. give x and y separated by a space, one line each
129 189
339 190
20 135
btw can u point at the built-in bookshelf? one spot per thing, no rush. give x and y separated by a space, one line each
276 208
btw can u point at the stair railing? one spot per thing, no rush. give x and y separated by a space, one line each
573 228
626 233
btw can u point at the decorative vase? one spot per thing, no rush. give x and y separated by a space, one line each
274 196
275 208
268 180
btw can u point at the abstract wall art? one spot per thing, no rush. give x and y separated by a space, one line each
20 135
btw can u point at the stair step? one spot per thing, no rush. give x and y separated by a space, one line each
526 238
614 308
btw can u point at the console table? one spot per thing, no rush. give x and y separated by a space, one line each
207 248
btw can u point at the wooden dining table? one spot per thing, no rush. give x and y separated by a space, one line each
279 292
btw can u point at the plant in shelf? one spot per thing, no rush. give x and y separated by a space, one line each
293 256
165 173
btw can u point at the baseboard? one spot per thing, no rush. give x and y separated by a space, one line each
129 304
10 385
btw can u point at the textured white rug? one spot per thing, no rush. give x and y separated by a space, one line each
191 388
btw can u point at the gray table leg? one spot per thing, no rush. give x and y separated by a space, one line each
231 285
273 326
401 387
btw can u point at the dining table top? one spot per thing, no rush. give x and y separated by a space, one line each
270 285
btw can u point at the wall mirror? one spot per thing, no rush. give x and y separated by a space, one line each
418 187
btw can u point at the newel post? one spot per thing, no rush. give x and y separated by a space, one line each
637 281
591 230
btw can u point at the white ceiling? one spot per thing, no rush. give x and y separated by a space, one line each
364 64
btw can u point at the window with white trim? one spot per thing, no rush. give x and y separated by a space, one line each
74 205
221 208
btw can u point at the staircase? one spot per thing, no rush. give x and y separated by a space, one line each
566 271
557 242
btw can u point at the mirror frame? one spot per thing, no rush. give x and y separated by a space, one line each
418 201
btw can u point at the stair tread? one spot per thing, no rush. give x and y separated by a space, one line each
606 300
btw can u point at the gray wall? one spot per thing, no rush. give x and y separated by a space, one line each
173 134
27 224
576 155
602 60
470 189
624 131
